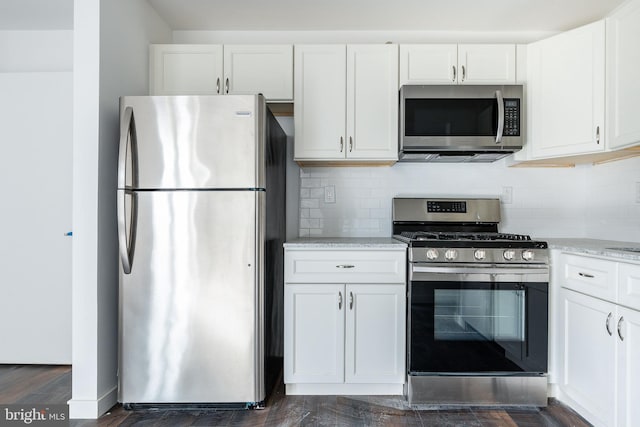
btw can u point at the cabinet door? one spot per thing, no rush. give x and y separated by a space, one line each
486 64
375 334
320 104
428 64
628 367
567 91
372 102
314 333
179 69
265 69
623 90
588 376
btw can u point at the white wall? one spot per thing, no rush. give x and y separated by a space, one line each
611 206
36 51
111 39
545 202
35 167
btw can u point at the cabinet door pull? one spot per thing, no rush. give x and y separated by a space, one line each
351 302
218 86
339 300
598 135
350 144
620 328
341 144
226 85
464 73
454 73
345 266
607 324
585 275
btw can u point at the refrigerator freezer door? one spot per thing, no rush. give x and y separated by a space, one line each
191 317
199 142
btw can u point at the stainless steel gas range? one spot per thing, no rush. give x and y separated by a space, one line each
477 305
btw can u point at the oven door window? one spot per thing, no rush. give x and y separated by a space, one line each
478 327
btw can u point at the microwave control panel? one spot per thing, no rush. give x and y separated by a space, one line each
511 117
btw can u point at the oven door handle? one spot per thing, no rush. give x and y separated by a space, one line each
493 274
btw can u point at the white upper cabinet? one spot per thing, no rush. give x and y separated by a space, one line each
346 103
180 69
566 79
457 64
177 69
623 85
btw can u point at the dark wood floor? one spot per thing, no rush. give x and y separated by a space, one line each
52 385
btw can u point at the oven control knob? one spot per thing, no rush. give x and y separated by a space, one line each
451 254
432 254
480 254
527 255
509 254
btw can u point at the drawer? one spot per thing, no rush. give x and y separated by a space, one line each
344 266
629 285
591 276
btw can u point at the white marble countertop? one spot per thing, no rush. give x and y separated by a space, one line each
604 248
345 243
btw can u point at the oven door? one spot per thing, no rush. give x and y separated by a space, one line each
477 320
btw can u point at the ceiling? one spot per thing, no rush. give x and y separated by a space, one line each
333 15
381 15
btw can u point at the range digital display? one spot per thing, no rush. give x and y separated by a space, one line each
449 207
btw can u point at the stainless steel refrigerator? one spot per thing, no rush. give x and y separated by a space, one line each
201 222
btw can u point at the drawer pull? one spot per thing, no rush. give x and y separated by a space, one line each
620 328
607 324
586 275
345 266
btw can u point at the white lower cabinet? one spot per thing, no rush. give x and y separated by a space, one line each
344 338
588 378
600 339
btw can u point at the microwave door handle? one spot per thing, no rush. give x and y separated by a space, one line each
500 101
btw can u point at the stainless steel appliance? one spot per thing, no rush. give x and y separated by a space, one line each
201 222
460 123
478 305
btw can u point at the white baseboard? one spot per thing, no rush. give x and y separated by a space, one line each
93 409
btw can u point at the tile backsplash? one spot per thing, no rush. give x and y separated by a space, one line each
543 202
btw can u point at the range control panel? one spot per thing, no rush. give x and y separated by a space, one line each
511 117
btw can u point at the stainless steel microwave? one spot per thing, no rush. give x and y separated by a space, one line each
460 123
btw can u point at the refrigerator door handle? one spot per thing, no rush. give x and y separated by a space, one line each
126 239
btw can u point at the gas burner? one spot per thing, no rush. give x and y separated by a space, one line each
447 235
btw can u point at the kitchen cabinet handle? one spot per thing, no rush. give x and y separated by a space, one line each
454 73
218 86
339 300
607 324
598 135
464 73
341 144
226 85
345 266
585 275
350 144
350 300
620 328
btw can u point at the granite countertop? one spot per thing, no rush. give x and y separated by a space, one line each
604 248
345 243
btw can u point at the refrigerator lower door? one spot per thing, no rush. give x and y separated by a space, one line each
191 316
